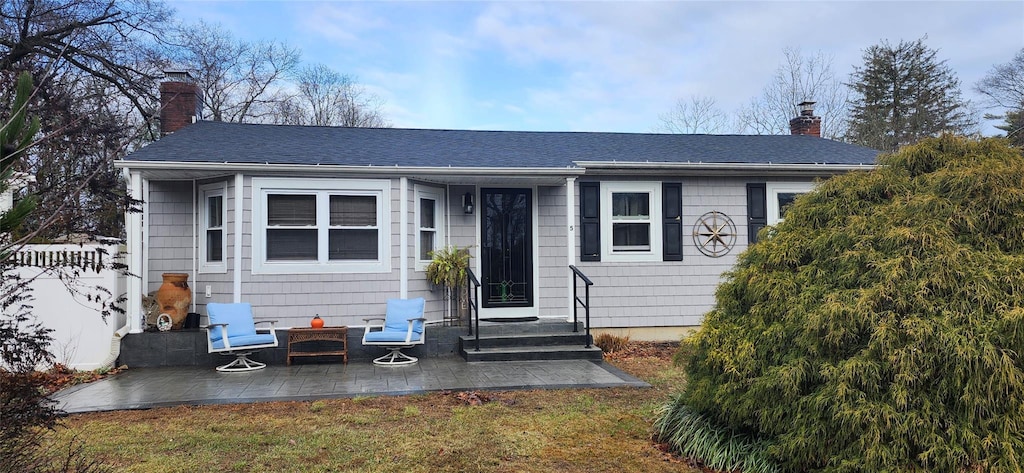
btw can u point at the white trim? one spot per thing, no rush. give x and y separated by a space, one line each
653 252
146 218
403 238
195 245
772 191
582 167
133 222
206 192
437 195
815 167
239 228
350 170
570 220
322 188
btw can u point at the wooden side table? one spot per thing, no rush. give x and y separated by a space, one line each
330 334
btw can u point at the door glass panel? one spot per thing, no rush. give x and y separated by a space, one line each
507 244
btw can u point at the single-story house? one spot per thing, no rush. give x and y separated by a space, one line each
301 220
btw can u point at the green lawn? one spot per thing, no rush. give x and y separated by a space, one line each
587 430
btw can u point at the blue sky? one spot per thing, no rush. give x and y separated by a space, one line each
599 66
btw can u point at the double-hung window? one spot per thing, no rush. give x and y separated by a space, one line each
212 215
430 230
321 226
632 218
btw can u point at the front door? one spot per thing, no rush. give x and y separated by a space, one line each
506 248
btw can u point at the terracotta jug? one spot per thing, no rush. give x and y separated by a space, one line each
174 298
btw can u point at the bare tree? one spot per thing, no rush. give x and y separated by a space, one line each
111 40
241 82
800 78
95 65
330 98
698 114
1003 88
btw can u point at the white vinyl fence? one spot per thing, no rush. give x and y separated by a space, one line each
82 338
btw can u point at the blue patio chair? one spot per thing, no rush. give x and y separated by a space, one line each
232 331
401 327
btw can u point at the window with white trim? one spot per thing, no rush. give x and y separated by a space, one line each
212 215
429 224
780 195
321 226
631 217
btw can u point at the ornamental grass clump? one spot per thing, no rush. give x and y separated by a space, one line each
880 327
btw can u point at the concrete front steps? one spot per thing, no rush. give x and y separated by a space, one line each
523 341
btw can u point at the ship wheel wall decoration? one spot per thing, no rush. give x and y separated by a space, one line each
714 234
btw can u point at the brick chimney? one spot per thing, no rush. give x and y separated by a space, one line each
806 123
180 103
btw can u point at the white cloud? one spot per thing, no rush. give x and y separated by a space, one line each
341 24
637 58
604 65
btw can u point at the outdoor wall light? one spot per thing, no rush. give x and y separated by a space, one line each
467 203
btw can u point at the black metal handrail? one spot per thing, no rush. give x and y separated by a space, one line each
576 275
473 298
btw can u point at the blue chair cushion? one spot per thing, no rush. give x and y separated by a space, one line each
237 316
399 311
391 336
246 340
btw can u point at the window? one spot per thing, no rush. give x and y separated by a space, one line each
780 196
631 221
321 226
430 230
353 234
212 214
631 215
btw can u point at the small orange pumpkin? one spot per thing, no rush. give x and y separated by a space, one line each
317 322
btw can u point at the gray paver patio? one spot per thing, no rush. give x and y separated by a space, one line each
146 388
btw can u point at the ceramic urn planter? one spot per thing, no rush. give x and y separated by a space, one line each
174 298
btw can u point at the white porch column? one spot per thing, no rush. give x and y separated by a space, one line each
570 227
237 267
134 245
403 238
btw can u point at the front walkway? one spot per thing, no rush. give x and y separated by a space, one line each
146 388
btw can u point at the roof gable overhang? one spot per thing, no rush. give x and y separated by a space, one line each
168 170
620 168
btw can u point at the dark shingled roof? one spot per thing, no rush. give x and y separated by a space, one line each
219 142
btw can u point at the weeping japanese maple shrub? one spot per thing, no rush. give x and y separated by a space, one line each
878 328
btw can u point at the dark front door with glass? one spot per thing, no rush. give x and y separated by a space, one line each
506 247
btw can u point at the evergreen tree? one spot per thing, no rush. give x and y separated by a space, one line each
902 94
879 328
1014 127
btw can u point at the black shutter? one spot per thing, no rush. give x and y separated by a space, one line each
590 221
672 221
757 210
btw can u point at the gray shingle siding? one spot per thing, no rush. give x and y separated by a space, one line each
674 293
552 282
170 230
339 298
626 294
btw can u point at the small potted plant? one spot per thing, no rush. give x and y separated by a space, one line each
448 268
